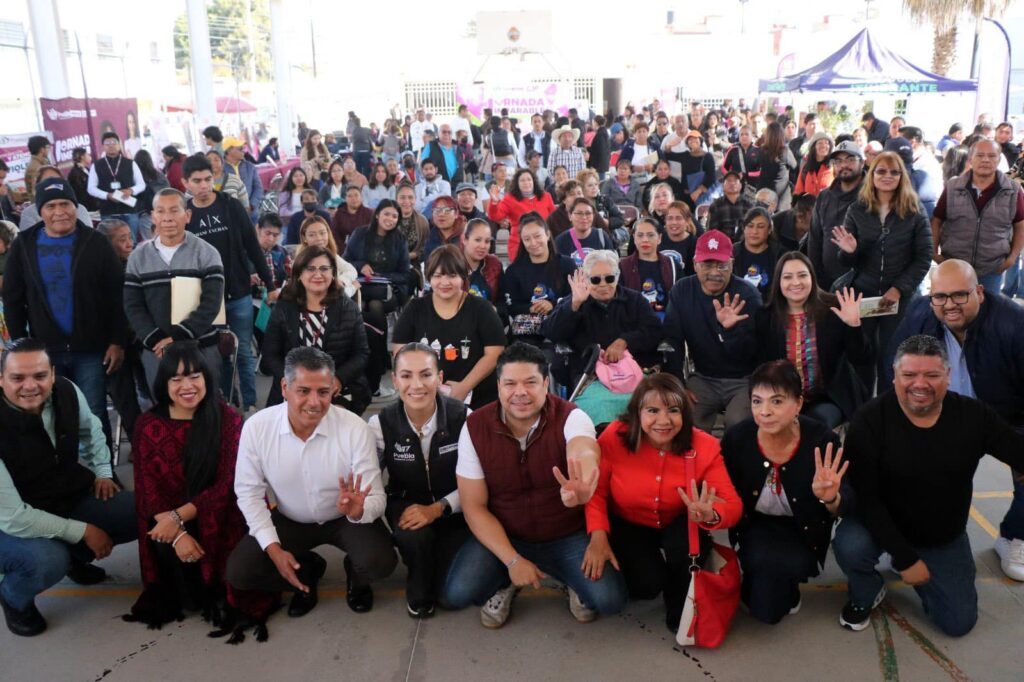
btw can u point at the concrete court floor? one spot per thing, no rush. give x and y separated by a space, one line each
87 640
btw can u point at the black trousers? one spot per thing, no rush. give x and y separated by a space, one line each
657 561
367 546
774 560
427 552
375 314
123 385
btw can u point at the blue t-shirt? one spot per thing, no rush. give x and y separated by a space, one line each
449 159
54 255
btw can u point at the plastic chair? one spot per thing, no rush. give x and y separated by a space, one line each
702 214
227 344
630 213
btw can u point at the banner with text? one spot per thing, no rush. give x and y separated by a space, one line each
66 120
14 152
522 101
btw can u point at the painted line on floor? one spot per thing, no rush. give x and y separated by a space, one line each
926 645
980 519
886 650
995 494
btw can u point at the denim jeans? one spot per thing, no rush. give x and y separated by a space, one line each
133 222
31 565
240 316
993 282
1013 280
86 370
362 160
950 598
476 574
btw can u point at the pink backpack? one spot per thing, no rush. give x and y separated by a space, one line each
619 377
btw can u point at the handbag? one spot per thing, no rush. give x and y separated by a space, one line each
714 593
619 377
749 191
526 324
376 289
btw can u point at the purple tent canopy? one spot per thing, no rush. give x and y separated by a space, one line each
865 65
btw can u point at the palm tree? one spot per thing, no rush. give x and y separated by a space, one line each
944 15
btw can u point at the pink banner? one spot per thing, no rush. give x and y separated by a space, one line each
66 120
522 101
14 152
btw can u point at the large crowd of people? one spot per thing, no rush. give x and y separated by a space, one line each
806 340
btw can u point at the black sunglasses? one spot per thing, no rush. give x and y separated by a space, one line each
608 279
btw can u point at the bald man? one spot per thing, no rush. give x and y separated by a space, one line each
984 336
979 217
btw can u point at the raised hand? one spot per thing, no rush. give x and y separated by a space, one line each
842 238
580 286
351 496
728 313
828 473
849 307
576 490
700 505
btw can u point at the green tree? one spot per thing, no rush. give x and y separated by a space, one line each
943 16
239 38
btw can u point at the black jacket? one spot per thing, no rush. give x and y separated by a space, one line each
838 346
901 259
344 340
747 468
397 255
409 477
600 151
829 211
237 245
775 175
98 281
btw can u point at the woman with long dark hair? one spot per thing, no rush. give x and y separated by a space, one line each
155 181
819 333
486 273
332 192
378 187
639 515
411 223
184 466
315 156
172 167
525 196
816 173
777 162
290 198
380 254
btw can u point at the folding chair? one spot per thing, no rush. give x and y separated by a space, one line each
227 344
630 213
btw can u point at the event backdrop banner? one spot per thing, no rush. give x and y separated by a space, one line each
522 101
14 152
66 120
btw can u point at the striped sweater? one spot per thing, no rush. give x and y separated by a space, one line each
147 291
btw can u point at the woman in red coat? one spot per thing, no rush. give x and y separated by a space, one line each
525 196
644 502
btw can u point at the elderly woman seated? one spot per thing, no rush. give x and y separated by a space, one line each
601 312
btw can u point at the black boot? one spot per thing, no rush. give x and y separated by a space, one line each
25 623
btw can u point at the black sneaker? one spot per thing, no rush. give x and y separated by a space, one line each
422 611
312 567
25 623
857 618
86 573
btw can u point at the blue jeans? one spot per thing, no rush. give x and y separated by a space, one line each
993 282
86 370
950 598
362 160
31 565
1013 280
240 316
133 222
476 574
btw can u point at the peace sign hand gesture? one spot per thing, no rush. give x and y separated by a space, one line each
351 496
580 286
728 313
700 504
828 474
576 490
849 307
842 238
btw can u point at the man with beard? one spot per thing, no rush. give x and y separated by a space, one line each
830 211
709 312
430 186
913 452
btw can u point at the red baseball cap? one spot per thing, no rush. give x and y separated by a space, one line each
713 245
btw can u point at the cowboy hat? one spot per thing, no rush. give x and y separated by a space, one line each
567 129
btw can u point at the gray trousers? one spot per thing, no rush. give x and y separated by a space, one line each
718 395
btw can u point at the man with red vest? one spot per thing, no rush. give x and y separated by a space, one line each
526 516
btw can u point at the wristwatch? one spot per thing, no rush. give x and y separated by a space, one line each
446 507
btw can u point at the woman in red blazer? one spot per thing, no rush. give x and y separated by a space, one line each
644 503
525 196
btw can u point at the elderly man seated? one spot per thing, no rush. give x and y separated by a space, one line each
601 312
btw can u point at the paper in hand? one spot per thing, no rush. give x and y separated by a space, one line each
874 307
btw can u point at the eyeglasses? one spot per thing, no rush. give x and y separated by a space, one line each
958 297
314 269
446 132
583 214
893 172
608 279
110 143
720 265
444 210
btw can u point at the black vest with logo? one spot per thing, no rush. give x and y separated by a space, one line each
46 476
528 140
409 477
104 174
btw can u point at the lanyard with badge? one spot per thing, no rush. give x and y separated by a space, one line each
115 184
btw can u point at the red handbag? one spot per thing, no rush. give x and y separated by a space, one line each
714 593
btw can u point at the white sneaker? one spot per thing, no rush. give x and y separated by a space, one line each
496 611
580 612
1011 554
796 608
383 394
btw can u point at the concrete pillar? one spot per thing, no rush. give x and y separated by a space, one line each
287 138
49 44
202 64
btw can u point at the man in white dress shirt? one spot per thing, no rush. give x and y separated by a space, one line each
320 463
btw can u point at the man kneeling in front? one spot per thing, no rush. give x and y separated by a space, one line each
320 462
526 515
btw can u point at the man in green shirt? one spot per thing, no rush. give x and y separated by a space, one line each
59 506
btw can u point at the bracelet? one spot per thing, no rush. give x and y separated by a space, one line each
828 502
180 536
512 562
177 519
